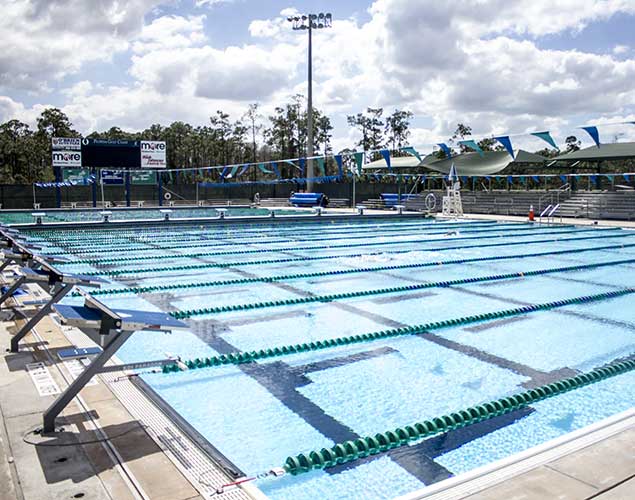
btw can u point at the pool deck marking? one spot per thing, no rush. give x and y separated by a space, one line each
423 467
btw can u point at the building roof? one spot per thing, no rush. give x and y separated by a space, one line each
471 163
616 151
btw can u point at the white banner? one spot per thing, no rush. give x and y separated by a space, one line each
67 159
66 143
153 154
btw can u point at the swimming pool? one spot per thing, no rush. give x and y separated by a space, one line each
461 314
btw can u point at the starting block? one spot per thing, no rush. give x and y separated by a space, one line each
108 328
58 284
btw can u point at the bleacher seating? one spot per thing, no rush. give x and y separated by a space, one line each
392 199
308 200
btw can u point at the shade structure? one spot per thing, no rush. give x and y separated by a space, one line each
616 151
469 164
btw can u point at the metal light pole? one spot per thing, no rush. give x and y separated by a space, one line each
310 22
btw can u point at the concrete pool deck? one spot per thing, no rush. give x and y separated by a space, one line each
132 451
136 463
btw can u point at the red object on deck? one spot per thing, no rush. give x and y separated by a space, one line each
531 212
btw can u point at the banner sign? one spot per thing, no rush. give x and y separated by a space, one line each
75 174
143 177
71 159
153 154
111 177
66 144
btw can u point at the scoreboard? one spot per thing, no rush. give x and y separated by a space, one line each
71 152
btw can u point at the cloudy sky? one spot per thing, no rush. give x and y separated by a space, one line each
500 66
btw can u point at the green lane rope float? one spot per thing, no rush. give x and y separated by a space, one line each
380 291
349 451
178 244
172 236
108 261
319 345
105 234
287 277
188 267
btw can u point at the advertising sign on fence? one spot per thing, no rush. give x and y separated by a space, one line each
153 154
67 159
143 177
76 174
112 177
66 143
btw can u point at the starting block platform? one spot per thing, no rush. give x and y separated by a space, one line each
109 329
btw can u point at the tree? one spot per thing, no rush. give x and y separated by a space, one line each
397 126
370 125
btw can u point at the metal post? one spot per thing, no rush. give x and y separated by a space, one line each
127 181
34 198
160 186
309 135
78 384
44 310
16 284
58 189
354 198
101 182
94 187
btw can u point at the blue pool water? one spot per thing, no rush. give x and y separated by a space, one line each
259 414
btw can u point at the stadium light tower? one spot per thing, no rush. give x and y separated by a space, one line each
310 22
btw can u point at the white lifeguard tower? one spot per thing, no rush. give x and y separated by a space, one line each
452 205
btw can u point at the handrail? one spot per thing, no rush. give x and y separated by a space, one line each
545 210
553 211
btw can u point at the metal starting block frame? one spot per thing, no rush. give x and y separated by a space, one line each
109 328
58 284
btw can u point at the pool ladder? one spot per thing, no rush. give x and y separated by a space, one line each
550 213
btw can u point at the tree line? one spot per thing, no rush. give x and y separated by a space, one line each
25 153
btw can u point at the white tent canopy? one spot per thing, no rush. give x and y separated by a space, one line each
492 162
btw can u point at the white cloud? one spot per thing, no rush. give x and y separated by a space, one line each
479 62
44 41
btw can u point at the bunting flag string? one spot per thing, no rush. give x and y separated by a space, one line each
546 136
338 160
223 174
320 162
471 144
444 147
386 154
593 132
85 182
359 160
234 171
261 167
412 151
244 169
274 166
302 162
507 144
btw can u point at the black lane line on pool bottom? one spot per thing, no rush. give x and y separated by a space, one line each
282 381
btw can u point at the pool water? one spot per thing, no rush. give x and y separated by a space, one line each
260 413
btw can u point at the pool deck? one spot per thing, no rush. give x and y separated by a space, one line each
147 457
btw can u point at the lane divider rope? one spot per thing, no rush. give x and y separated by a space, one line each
319 345
349 451
286 277
106 261
187 267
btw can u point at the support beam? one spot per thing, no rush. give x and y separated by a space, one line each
78 384
44 310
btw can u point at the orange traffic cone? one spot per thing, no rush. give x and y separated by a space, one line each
531 212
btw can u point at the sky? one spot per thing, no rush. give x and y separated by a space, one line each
499 66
